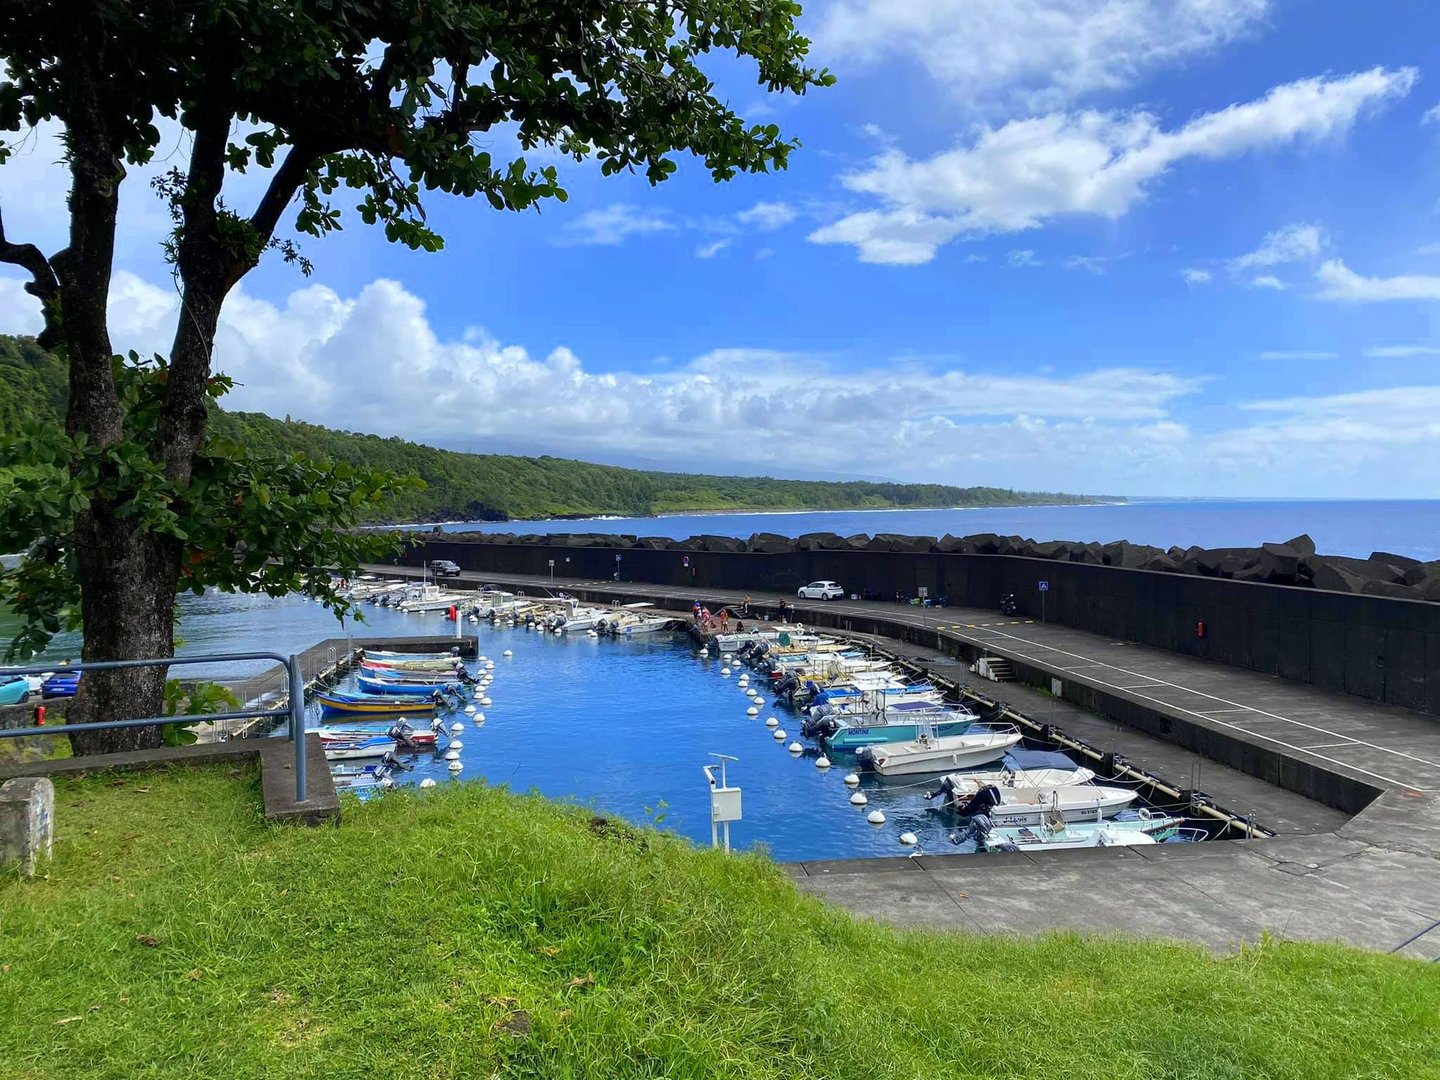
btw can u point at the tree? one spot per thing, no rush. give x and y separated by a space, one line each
382 98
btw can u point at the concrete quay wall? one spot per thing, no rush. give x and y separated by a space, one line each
1381 648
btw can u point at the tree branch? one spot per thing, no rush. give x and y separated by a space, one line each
44 285
283 185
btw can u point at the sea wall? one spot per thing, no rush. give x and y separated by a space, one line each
1384 646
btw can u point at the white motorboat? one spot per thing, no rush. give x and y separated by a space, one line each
1032 806
940 753
1056 834
958 787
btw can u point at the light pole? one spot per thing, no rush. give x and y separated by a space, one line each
617 567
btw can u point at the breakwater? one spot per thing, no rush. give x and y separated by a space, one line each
1269 609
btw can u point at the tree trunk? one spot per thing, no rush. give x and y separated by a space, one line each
127 588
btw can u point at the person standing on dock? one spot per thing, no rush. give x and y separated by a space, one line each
745 607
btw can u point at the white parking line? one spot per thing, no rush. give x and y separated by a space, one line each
1236 705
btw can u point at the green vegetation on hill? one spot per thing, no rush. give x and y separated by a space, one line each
498 487
469 932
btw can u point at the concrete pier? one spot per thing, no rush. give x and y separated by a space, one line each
1352 786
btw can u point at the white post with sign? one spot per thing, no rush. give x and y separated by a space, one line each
1044 588
552 573
724 801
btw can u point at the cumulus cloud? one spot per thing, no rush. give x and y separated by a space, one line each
1032 54
767 216
1193 275
1293 243
1432 115
1027 172
373 362
1267 281
613 224
1091 264
1338 282
1021 258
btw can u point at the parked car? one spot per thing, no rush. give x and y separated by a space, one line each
821 590
15 691
444 568
61 684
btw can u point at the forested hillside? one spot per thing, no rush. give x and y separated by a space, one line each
496 487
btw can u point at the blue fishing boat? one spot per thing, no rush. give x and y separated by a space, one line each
334 703
391 687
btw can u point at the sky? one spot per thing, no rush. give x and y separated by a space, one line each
1132 247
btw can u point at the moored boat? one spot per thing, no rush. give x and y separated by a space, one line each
1056 834
907 721
371 685
932 753
333 703
1034 805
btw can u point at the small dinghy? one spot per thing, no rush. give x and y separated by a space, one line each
940 753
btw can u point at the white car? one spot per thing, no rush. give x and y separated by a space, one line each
821 590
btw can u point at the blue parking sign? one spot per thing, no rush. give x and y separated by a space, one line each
1044 586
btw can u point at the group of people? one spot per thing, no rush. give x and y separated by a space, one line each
720 620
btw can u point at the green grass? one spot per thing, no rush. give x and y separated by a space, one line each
470 932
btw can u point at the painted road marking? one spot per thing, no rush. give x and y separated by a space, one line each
1237 727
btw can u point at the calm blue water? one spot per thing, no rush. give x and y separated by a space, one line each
625 726
1355 528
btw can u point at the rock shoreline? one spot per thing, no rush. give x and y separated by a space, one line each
1293 562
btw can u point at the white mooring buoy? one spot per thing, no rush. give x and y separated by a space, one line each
486 702
507 652
876 817
428 782
725 671
771 722
458 727
852 779
822 762
456 744
479 718
704 651
909 839
858 799
455 766
779 734
795 747
481 659
752 711
469 709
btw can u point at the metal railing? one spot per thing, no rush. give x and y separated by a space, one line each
296 702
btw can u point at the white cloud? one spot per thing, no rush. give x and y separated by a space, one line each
613 224
1193 275
710 250
1400 352
1339 282
1401 414
1027 172
1428 249
319 356
1091 264
1432 115
1297 354
1032 53
1293 243
1022 258
1267 281
767 215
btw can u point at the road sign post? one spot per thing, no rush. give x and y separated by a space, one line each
1044 588
552 573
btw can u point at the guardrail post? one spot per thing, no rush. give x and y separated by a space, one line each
297 726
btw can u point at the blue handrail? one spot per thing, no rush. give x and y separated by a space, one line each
296 685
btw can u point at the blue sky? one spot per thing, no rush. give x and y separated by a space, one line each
1179 247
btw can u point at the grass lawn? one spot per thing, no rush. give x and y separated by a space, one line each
468 932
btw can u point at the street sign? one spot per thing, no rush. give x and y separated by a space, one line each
687 561
552 564
1044 586
924 592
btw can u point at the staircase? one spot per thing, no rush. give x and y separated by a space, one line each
995 668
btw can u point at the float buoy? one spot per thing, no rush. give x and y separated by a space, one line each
456 744
822 762
752 711
851 779
725 671
704 651
428 782
458 727
858 799
779 734
909 839
794 747
507 652
486 702
455 766
771 722
469 709
452 755
876 817
479 718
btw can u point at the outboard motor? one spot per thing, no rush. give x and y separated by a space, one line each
975 832
389 761
1009 605
823 727
786 688
981 803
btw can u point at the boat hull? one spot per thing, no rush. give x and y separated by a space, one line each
854 738
387 688
390 706
941 754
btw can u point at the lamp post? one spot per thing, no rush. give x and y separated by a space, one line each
617 567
